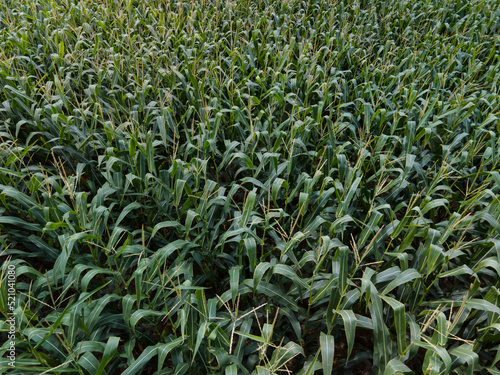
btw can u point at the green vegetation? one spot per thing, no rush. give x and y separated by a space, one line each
250 187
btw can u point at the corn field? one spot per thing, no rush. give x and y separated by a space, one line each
254 187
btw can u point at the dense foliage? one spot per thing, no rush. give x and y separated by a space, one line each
251 187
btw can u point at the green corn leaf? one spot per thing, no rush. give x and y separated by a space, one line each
89 362
231 370
381 334
327 343
167 224
259 273
252 337
247 209
20 223
109 353
395 366
403 278
289 273
179 187
251 248
141 314
399 321
350 320
234 278
137 365
439 351
164 349
126 211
